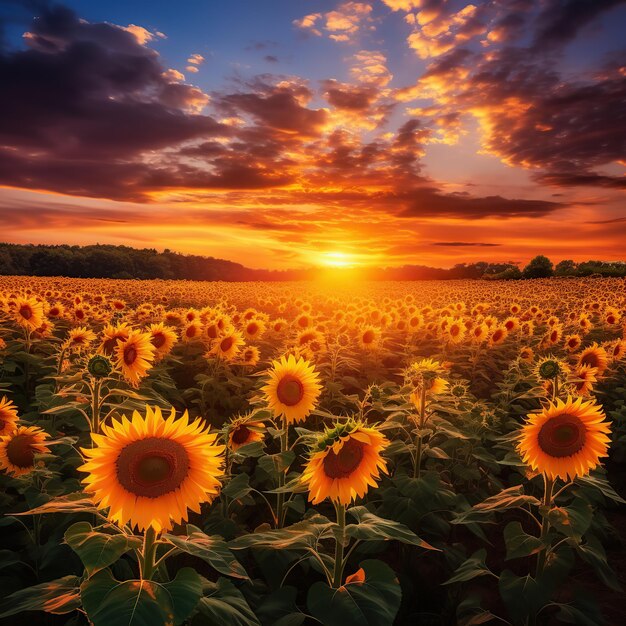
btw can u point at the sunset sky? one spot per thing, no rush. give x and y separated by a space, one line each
286 133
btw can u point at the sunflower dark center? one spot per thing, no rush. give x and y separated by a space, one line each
290 390
590 359
152 467
342 464
158 340
26 312
563 435
20 451
241 434
130 355
368 336
226 344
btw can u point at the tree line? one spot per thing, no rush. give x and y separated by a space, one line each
108 261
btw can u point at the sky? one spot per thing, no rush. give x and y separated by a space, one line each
296 133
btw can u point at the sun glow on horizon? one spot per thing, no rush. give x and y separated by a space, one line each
337 259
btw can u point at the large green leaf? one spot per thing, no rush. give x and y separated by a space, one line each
213 550
98 550
593 553
518 543
602 484
370 527
573 520
510 498
57 596
373 602
223 603
471 568
299 536
109 602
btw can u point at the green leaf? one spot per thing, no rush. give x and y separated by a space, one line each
522 595
471 568
511 498
277 463
370 527
223 603
374 602
213 550
237 487
602 484
72 503
518 543
593 553
98 550
57 596
300 536
109 602
573 520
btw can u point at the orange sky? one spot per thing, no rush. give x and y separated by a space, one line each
427 133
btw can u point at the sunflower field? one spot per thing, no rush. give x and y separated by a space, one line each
281 454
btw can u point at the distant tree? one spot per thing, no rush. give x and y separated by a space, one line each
539 267
567 267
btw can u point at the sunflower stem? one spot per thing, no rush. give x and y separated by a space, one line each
339 545
284 446
418 438
545 526
148 553
95 407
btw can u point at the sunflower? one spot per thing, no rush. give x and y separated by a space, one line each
8 416
293 388
498 336
595 356
254 329
250 356
369 338
163 338
454 331
149 470
135 356
565 439
243 431
344 463
583 379
110 336
572 342
19 447
79 338
28 313
227 347
191 332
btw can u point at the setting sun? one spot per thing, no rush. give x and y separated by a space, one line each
337 259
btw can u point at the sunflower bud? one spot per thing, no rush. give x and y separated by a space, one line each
99 366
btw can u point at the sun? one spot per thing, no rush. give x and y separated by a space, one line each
337 259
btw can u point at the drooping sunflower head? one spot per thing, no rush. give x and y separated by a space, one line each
8 416
293 388
565 439
19 447
149 470
345 461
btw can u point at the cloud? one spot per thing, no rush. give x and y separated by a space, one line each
561 20
343 24
458 244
